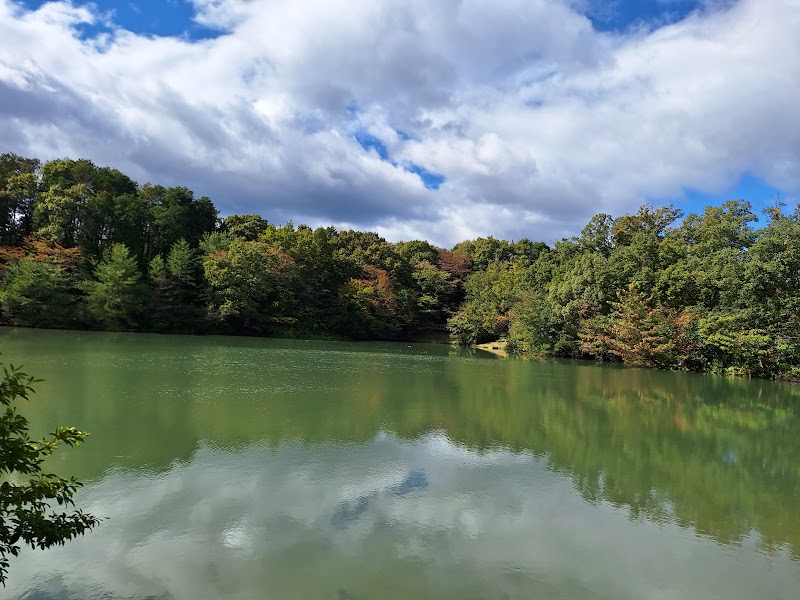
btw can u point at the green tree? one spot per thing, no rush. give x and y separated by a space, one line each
130 225
648 220
249 227
417 251
358 249
36 294
719 227
476 323
182 264
213 241
158 316
18 183
771 293
596 236
181 292
114 297
250 285
436 290
528 249
59 213
491 294
98 229
176 214
319 276
539 327
28 495
484 251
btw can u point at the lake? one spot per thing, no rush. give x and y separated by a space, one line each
285 469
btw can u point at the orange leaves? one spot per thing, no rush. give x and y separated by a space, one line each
375 287
457 264
9 255
40 249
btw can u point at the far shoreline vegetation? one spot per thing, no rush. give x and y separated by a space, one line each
86 247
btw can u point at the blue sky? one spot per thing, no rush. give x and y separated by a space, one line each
620 15
444 121
175 17
152 17
759 193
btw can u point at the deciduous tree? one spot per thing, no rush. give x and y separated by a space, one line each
32 501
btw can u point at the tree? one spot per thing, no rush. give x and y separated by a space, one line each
182 264
373 305
181 287
250 285
98 229
484 251
36 294
59 213
491 294
459 265
213 241
249 227
771 292
17 191
417 251
436 288
174 214
27 494
596 236
114 296
636 332
538 327
719 228
648 220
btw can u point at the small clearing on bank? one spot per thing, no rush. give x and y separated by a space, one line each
498 348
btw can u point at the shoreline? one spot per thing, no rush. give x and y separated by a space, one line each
498 348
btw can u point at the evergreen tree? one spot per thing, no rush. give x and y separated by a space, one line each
114 296
35 293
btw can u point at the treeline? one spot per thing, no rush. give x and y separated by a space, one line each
83 246
708 293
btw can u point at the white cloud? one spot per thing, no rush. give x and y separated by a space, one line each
305 521
536 120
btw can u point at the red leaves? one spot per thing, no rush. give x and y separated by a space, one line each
457 264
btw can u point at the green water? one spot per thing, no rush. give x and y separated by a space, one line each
245 468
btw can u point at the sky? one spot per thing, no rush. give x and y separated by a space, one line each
442 120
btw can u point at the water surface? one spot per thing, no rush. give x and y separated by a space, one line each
249 468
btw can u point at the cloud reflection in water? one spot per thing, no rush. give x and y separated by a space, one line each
381 520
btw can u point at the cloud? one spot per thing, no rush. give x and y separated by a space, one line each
427 518
534 119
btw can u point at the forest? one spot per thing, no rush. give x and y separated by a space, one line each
86 247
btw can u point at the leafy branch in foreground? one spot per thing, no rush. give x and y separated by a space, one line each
28 496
